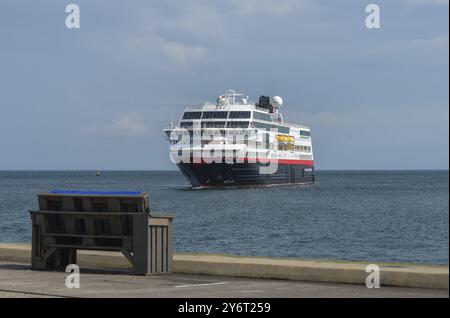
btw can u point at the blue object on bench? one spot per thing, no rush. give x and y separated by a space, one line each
87 192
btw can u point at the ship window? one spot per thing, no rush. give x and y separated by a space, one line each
303 148
262 126
305 133
237 124
215 114
282 129
263 116
244 114
186 124
192 115
268 127
213 124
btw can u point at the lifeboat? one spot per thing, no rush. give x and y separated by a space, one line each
285 138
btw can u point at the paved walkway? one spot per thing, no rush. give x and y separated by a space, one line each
17 280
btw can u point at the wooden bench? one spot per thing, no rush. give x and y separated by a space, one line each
68 221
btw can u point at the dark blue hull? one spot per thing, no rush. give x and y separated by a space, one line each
244 174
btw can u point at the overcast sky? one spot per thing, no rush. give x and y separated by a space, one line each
98 97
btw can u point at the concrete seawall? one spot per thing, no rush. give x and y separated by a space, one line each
392 274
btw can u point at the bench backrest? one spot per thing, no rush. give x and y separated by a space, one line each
90 219
94 201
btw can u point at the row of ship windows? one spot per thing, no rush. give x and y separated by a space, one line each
243 124
217 124
216 114
231 114
236 124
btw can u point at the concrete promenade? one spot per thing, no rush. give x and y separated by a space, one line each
202 275
17 280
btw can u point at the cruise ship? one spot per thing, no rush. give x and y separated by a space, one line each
237 143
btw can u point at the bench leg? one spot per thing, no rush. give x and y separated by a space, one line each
141 263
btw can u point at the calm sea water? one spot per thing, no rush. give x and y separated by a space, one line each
376 216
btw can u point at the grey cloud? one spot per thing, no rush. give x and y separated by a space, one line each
426 2
127 125
435 43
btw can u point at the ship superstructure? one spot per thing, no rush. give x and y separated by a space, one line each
234 142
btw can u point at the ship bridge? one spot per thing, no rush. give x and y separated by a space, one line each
232 110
